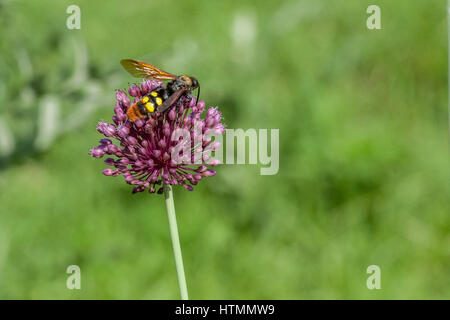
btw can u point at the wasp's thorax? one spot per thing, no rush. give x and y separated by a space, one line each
184 81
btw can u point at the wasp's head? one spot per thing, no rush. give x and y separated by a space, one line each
187 82
190 83
195 84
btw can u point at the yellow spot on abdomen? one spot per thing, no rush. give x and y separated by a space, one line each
144 100
154 93
158 101
150 107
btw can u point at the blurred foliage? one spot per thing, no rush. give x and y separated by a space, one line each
363 151
46 91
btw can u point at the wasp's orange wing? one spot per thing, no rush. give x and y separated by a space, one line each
141 69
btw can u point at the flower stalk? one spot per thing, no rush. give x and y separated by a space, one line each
168 194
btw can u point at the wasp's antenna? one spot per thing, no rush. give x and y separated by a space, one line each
198 92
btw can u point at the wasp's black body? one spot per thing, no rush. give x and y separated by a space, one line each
163 97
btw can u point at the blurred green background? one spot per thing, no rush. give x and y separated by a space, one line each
364 170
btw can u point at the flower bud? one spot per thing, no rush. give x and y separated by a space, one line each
134 91
214 162
215 145
146 86
106 129
110 161
132 140
157 153
97 152
172 114
109 172
124 161
122 98
139 123
209 173
201 106
123 131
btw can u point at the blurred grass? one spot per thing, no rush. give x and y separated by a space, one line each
363 155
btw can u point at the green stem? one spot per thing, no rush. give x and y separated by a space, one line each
175 241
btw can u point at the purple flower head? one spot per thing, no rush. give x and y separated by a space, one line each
170 148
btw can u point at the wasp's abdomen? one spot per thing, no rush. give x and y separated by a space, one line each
147 104
156 97
133 113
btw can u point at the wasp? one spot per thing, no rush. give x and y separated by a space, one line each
163 97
